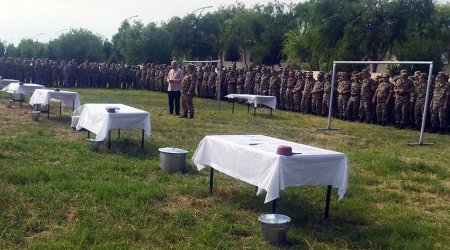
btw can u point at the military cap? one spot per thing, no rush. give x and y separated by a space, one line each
328 75
417 73
403 71
385 75
364 71
321 73
423 75
441 73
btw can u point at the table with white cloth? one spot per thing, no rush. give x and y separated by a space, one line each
6 82
253 159
16 88
42 97
269 101
95 118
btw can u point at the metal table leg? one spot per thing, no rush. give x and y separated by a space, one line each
118 134
48 110
254 111
232 110
60 107
211 180
142 140
73 105
274 206
109 139
271 111
327 203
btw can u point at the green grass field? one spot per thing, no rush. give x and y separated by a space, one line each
55 193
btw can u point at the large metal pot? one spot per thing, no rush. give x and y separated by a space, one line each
35 115
8 103
172 159
274 227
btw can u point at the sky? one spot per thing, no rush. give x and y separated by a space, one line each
44 20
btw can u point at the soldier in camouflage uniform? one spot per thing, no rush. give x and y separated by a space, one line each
240 82
420 91
283 87
274 87
199 81
205 90
402 89
297 91
249 81
317 94
305 106
187 91
368 88
291 81
39 72
265 82
412 114
382 99
439 103
343 89
257 85
232 81
352 111
327 88
212 83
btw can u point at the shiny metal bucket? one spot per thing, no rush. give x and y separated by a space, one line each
274 227
172 159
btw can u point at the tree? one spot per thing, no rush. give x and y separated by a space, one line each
11 51
79 44
2 49
32 49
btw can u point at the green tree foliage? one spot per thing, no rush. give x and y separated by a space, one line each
11 51
330 30
78 44
2 49
425 41
32 49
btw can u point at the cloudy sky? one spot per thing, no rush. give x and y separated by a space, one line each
44 20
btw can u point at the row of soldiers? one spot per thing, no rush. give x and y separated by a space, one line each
84 75
385 100
397 100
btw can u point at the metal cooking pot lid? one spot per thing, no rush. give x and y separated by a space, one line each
274 218
173 150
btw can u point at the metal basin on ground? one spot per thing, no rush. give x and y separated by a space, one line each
274 227
172 159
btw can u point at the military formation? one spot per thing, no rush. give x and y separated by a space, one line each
386 100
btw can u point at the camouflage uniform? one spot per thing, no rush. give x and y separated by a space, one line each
249 82
240 82
368 88
274 87
402 89
382 98
187 93
291 82
420 91
265 83
352 111
283 88
232 80
257 86
344 95
317 95
212 83
305 105
326 95
439 103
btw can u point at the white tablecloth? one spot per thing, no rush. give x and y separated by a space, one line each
44 96
270 101
26 88
96 119
5 82
253 159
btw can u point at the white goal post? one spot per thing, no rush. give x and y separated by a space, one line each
220 75
427 96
